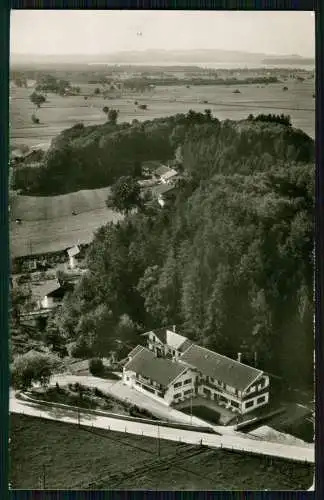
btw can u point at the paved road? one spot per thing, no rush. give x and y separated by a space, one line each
297 453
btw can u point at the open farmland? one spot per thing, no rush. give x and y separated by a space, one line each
61 452
60 113
48 224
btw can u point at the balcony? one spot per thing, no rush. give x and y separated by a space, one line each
255 394
221 390
148 385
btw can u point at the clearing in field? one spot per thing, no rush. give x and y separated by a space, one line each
48 223
59 454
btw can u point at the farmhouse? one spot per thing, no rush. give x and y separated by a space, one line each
174 369
165 174
50 294
73 253
163 193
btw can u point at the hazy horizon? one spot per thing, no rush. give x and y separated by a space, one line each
86 32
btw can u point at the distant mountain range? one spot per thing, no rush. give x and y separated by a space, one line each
165 56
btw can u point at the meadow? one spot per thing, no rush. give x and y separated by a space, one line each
59 454
59 113
48 224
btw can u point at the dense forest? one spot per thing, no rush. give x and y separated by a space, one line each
96 156
230 262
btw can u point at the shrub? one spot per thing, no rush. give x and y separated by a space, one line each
32 367
96 366
98 392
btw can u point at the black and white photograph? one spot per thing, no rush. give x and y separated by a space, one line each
161 220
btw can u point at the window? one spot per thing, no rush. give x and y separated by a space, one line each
261 400
186 393
262 383
177 384
187 381
249 404
177 395
235 404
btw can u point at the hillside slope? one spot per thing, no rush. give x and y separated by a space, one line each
229 262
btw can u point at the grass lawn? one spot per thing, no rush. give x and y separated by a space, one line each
76 458
48 224
85 397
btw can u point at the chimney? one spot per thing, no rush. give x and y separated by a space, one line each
174 328
239 357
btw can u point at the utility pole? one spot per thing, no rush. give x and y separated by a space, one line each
159 447
191 409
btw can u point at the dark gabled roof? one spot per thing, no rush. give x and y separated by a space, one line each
46 289
51 288
229 371
161 370
161 189
134 351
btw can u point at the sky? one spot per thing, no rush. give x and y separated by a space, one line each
102 32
